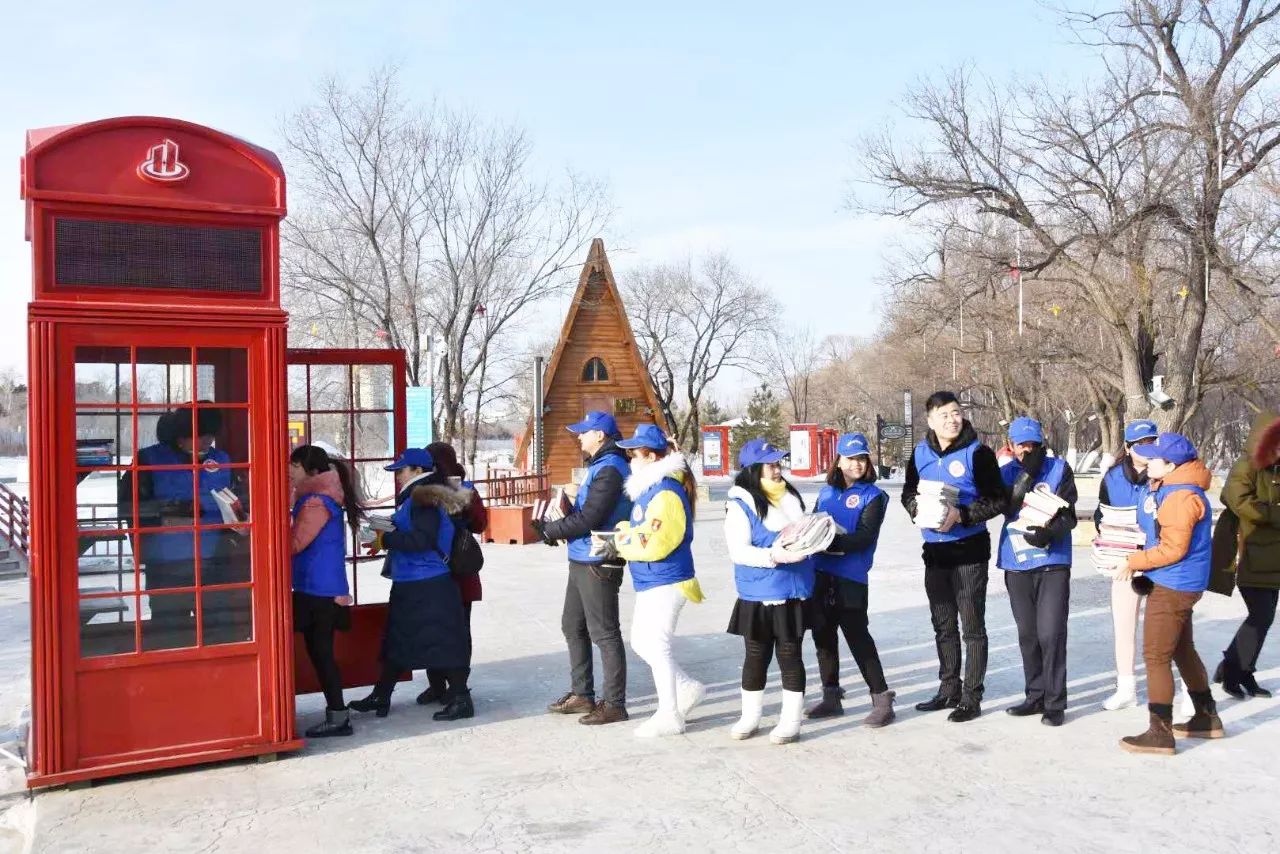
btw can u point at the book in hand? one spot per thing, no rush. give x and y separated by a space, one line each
934 500
556 507
1118 537
375 524
808 535
1038 506
229 506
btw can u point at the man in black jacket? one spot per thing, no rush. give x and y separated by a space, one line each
590 614
958 550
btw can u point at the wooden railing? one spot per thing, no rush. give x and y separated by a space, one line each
15 520
513 488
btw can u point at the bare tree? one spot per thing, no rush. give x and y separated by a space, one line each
691 325
426 229
793 355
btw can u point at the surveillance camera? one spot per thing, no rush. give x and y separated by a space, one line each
1160 399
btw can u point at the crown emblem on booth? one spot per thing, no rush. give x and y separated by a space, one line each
162 164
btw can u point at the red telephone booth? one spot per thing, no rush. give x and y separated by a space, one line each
805 450
159 581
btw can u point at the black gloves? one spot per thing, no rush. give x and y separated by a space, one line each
540 528
842 544
1038 537
1033 460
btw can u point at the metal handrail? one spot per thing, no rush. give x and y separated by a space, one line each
15 520
514 489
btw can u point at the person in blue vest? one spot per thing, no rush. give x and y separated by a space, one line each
1120 487
657 543
774 587
174 498
1175 514
957 552
324 497
1037 571
590 614
840 591
426 624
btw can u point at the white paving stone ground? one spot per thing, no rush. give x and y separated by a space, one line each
516 779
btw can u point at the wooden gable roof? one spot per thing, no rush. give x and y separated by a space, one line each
596 272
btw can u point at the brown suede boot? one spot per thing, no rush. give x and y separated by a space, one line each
829 706
605 713
881 710
1205 723
1157 739
572 704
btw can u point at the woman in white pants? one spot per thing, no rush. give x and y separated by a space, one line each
1120 488
656 543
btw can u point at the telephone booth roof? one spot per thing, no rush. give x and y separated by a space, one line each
150 162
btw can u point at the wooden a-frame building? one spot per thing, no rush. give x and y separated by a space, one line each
595 366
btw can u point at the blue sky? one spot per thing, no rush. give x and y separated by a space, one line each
716 125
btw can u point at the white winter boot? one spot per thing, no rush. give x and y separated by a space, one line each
1126 695
788 728
689 693
660 724
752 708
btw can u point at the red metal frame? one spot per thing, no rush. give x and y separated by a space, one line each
200 703
357 649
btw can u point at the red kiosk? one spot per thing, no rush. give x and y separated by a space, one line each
161 629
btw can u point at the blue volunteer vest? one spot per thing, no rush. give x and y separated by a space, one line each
677 566
1122 492
1058 552
954 468
321 568
175 485
1191 574
846 507
580 548
419 566
770 583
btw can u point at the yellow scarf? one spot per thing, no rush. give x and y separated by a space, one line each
774 490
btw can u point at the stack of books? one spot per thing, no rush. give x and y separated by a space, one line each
808 535
1038 507
556 507
934 499
94 452
1118 537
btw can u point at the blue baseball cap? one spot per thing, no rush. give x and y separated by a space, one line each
1136 431
852 445
1024 429
601 421
760 451
647 436
1170 447
417 457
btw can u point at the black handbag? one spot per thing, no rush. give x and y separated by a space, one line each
465 556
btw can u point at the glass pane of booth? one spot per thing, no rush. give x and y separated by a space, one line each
222 374
100 502
297 382
102 435
105 563
164 376
107 624
371 386
231 437
225 556
103 375
330 388
226 615
373 436
168 621
333 429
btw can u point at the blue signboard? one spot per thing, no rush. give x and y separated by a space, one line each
417 404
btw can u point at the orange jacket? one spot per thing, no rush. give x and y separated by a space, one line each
1177 516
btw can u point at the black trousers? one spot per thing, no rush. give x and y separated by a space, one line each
958 597
1040 599
315 618
1247 644
842 604
436 675
455 679
590 616
759 653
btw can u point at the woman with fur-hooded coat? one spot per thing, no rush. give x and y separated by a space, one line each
426 623
656 543
1252 492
